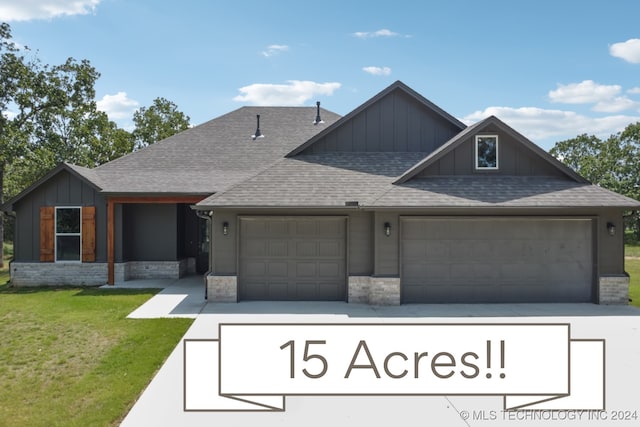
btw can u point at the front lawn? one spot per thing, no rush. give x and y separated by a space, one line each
69 357
632 266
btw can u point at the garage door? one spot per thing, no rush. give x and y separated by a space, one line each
449 260
292 259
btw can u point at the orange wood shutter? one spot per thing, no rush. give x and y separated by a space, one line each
47 233
88 234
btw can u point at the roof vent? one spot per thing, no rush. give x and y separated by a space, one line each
318 118
352 203
258 134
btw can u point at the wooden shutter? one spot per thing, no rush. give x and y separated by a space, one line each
47 233
88 234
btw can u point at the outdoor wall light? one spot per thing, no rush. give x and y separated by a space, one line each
225 228
611 228
387 229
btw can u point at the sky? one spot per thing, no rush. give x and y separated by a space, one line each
551 69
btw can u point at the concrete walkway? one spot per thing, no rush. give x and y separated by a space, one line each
161 404
178 298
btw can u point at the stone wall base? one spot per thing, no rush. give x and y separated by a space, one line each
222 288
613 290
374 290
58 274
92 274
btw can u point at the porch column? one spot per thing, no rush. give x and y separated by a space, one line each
111 236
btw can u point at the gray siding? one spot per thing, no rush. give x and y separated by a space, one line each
151 232
64 189
513 159
397 123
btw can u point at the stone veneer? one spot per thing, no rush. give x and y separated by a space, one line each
222 288
92 273
374 290
57 274
614 290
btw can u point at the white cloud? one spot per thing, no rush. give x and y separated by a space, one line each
274 49
634 91
26 10
615 105
585 92
371 34
377 71
629 50
295 92
537 123
118 106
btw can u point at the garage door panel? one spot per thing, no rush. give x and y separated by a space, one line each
306 249
277 269
496 260
306 269
305 260
329 248
256 269
277 248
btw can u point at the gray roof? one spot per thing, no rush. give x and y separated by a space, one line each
318 180
500 191
331 179
215 155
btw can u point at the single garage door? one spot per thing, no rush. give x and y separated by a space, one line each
292 259
449 260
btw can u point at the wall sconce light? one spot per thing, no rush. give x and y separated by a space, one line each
225 228
387 229
611 228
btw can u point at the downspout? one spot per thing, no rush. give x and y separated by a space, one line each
209 218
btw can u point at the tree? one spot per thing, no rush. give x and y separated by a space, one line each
159 121
613 163
47 115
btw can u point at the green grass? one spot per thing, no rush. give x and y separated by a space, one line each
632 250
632 266
7 254
69 357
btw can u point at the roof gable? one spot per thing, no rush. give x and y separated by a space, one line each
83 174
518 156
398 119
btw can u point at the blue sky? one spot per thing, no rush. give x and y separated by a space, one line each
551 69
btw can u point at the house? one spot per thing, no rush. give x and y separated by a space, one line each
396 202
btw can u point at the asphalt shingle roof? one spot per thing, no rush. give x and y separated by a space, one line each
319 180
500 191
215 155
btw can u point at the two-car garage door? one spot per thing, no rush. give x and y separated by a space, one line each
446 260
292 258
442 260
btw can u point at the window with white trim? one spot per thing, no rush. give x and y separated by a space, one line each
486 152
68 227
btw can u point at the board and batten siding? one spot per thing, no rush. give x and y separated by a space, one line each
397 123
513 159
64 189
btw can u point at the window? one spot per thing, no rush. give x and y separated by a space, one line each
68 234
486 152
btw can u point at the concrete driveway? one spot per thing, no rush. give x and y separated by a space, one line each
161 404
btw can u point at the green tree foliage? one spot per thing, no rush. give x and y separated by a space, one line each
613 163
157 122
47 115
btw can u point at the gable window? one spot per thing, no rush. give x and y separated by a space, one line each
68 234
486 152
